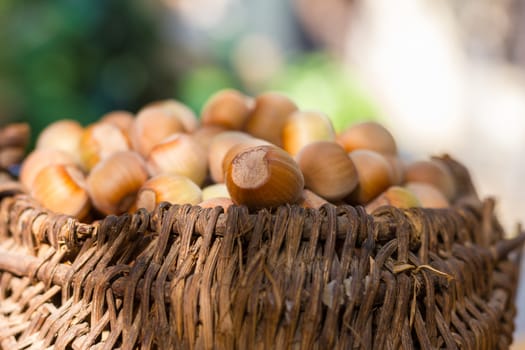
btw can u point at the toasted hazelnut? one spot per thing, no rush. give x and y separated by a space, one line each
179 154
395 196
264 176
39 159
267 119
368 135
174 189
374 174
227 108
63 135
327 169
151 126
99 141
304 127
434 173
62 188
113 183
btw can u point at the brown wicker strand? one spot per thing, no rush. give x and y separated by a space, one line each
185 277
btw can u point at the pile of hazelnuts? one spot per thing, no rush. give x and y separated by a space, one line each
261 152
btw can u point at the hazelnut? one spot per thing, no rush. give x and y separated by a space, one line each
99 141
38 159
62 188
179 154
181 111
120 119
264 176
395 196
219 146
368 135
152 125
63 135
432 172
267 119
327 169
114 182
222 202
227 108
215 191
374 174
428 195
304 127
174 189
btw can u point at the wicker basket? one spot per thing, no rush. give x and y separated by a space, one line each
183 277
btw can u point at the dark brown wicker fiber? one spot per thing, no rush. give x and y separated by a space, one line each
183 277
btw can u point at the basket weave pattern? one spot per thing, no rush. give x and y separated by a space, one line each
185 277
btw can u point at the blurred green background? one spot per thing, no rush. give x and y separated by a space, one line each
80 59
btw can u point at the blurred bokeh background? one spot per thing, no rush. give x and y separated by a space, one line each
444 76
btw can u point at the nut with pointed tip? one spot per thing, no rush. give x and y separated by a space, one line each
174 189
328 170
113 183
99 141
433 172
152 125
219 146
179 154
62 188
368 135
38 159
267 119
428 195
395 196
305 127
62 135
374 174
264 177
228 108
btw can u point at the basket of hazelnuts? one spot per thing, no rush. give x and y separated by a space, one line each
251 226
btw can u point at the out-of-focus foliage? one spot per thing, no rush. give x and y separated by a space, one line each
318 82
201 82
313 80
79 59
